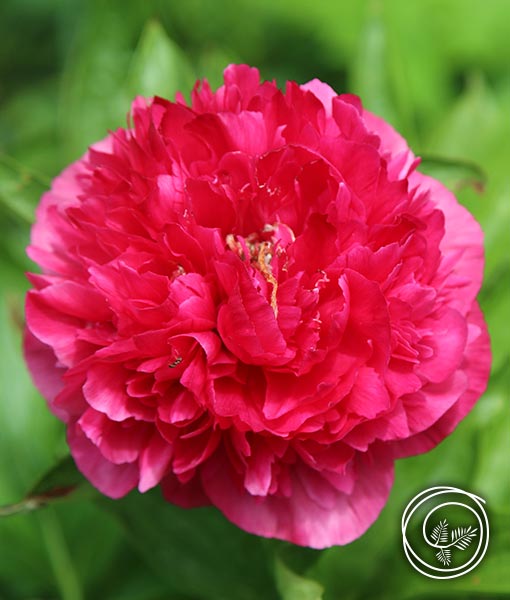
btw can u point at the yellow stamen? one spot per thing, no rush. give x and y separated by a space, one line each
263 261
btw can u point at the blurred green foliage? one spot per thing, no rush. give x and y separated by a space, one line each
439 70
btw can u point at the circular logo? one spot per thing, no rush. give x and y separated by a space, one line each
445 531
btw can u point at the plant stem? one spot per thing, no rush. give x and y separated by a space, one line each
61 562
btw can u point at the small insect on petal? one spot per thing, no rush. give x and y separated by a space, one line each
175 363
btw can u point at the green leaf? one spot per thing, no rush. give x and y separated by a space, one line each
63 476
369 74
296 587
20 189
61 562
92 97
374 565
31 437
491 576
298 559
492 474
28 122
455 173
211 64
158 67
476 129
62 481
197 551
417 70
496 308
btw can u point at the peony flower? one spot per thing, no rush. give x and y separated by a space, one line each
256 302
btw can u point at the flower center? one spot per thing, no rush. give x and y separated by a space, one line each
259 249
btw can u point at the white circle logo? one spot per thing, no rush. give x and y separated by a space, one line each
445 531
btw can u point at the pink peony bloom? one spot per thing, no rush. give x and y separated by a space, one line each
258 303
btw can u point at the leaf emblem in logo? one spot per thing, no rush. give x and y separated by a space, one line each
461 538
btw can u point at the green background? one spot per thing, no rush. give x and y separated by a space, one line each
439 71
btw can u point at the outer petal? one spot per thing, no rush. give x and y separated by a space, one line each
154 462
323 92
299 518
42 364
462 244
105 391
112 480
476 367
